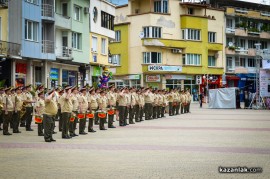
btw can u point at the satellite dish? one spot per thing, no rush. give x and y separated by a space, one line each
141 35
230 44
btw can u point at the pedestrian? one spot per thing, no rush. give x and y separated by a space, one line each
201 99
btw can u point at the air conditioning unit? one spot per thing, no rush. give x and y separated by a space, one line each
176 50
86 10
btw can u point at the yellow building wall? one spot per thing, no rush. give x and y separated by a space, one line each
4 24
101 58
122 48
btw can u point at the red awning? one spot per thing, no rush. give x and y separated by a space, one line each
231 77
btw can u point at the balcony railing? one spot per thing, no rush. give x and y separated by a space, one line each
64 52
47 10
47 46
10 49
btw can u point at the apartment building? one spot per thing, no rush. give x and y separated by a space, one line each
169 44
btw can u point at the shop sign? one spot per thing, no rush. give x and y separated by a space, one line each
178 77
96 71
131 77
54 74
164 68
152 78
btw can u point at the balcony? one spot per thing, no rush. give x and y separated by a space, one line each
241 51
230 30
8 49
47 46
241 32
230 51
251 52
62 22
64 53
47 11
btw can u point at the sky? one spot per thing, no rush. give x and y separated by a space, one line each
121 2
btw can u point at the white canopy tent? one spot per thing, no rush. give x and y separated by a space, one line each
222 98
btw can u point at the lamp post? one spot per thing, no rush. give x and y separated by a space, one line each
257 82
207 78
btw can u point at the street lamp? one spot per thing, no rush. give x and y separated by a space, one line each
207 77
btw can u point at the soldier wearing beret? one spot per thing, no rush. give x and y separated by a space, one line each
40 108
83 107
1 106
103 103
75 103
49 113
66 110
8 106
28 100
112 97
122 100
93 105
18 103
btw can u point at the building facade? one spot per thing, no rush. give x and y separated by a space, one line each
53 38
169 44
247 25
101 32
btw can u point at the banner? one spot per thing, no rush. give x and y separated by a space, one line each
265 83
164 68
152 78
266 64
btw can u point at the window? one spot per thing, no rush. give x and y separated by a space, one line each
241 43
251 43
211 61
190 11
192 59
251 62
94 44
76 40
212 37
115 59
152 32
77 13
263 45
32 1
161 6
191 34
31 30
95 14
229 23
152 57
240 62
229 62
103 46
107 20
117 36
65 9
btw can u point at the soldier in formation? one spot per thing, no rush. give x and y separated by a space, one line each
72 105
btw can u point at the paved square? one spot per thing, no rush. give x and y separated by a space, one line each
192 145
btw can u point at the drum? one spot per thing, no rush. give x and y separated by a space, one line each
102 115
111 112
72 118
38 119
81 116
90 115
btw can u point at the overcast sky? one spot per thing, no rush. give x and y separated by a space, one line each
121 2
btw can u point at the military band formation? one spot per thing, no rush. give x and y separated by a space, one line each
72 106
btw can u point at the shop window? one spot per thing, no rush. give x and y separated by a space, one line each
135 83
38 76
64 77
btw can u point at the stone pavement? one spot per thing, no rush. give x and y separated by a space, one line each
192 145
